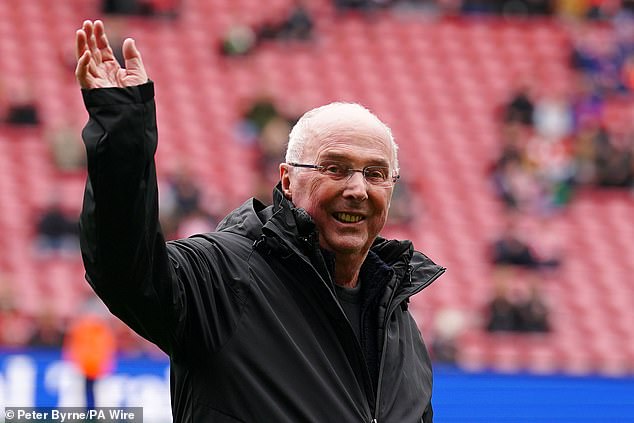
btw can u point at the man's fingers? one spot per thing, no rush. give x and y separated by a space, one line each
101 41
129 50
81 44
132 56
89 29
81 71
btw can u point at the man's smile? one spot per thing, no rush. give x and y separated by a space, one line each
348 217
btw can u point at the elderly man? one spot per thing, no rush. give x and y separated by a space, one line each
296 312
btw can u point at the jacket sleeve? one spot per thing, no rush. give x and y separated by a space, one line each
428 415
123 249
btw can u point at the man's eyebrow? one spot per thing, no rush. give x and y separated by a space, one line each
346 158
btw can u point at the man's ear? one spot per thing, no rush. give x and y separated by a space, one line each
285 177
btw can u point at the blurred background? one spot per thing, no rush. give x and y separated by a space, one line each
515 121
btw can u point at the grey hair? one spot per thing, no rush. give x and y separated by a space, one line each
306 129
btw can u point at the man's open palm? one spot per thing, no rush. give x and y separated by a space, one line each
96 64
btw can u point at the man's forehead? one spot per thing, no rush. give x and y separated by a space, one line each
349 138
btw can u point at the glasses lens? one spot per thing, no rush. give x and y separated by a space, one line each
377 175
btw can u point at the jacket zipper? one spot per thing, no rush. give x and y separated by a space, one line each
359 353
390 310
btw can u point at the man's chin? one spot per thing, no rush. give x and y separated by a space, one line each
340 245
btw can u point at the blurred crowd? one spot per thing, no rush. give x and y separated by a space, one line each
552 144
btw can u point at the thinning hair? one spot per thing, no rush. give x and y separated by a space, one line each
309 127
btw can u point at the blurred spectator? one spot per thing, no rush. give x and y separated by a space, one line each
603 9
67 148
449 325
168 8
507 7
241 39
48 331
182 210
265 128
353 4
184 192
513 139
238 40
553 117
516 308
587 142
90 345
120 7
14 324
615 161
596 55
56 231
502 312
520 108
297 25
510 249
22 109
258 113
532 311
576 9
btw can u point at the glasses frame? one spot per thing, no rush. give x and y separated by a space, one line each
390 182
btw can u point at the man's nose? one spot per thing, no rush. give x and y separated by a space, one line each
356 186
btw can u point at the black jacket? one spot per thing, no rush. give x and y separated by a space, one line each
248 313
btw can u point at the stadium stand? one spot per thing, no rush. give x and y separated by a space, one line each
437 83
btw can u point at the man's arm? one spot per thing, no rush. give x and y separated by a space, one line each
123 248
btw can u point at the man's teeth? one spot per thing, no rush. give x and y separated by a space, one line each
348 218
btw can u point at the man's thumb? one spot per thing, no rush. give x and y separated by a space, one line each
131 55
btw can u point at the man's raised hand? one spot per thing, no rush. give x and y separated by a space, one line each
96 64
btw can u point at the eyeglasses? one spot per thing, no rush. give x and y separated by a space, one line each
379 176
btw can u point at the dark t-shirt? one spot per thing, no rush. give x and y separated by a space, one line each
350 299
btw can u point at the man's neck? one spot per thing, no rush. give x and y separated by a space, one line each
347 269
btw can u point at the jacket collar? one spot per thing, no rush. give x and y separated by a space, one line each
297 230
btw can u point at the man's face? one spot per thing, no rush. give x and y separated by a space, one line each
349 213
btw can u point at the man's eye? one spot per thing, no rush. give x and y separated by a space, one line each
376 174
334 170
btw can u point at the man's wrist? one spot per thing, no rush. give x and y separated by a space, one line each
136 94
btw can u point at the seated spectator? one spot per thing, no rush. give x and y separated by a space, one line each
14 324
22 108
520 108
120 7
238 40
164 8
502 312
185 192
532 312
182 212
48 332
615 162
66 147
353 4
56 231
298 25
517 304
511 250
448 325
265 129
